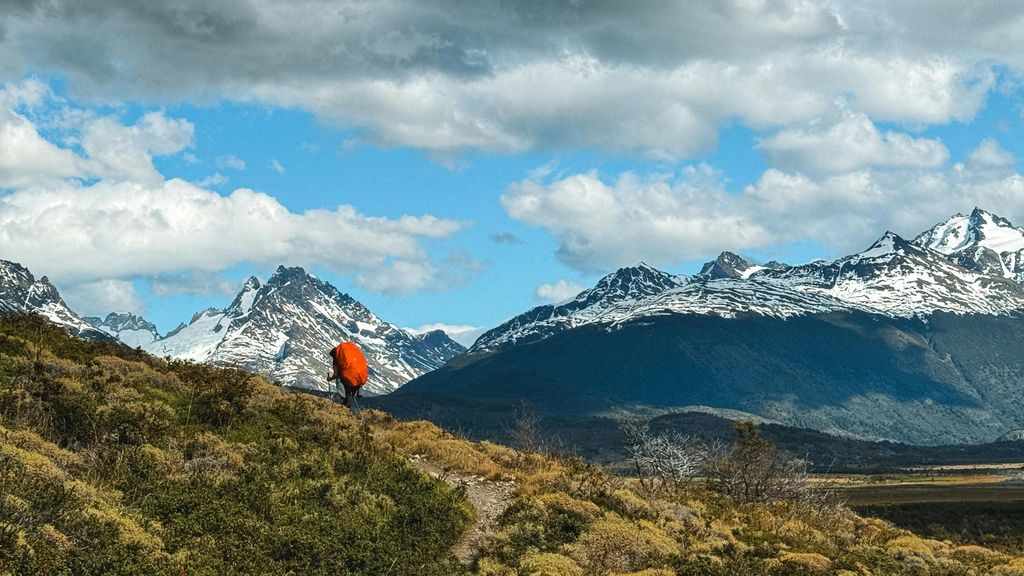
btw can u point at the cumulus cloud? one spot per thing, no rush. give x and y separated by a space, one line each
115 229
119 152
657 78
559 291
989 154
26 158
111 217
101 297
852 143
601 224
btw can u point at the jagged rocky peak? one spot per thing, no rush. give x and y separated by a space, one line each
727 265
204 314
889 243
131 329
14 274
246 297
980 228
122 321
285 274
21 292
982 242
633 282
284 327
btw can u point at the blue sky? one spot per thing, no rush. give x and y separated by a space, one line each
489 159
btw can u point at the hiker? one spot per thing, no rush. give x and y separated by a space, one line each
349 369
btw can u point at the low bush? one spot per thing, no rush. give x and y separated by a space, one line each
112 462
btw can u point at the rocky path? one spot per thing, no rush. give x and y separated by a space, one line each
489 498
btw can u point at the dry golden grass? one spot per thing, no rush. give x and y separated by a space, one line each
624 531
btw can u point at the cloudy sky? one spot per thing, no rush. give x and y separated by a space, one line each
453 163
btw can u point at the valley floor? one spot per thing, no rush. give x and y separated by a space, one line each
969 504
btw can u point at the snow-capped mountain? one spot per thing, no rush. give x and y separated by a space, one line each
21 293
285 328
621 288
981 241
133 330
955 268
899 278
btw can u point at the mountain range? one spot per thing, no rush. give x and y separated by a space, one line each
21 292
282 328
908 340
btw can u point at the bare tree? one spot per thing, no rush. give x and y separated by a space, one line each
526 429
662 460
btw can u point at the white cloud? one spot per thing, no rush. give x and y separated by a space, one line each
852 143
127 228
559 291
98 298
600 225
989 154
26 158
215 179
603 225
111 217
276 167
119 152
657 79
229 162
462 333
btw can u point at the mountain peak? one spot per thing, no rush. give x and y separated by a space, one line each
889 243
21 292
284 274
129 328
632 282
284 327
980 229
726 265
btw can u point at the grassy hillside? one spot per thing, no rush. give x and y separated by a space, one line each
116 463
600 439
112 462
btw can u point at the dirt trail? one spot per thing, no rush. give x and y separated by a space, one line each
490 498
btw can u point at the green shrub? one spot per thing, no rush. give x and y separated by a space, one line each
115 463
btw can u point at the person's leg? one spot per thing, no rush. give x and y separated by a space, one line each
350 393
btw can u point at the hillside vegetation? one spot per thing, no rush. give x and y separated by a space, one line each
113 462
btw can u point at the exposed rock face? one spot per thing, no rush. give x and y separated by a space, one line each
981 241
129 328
21 293
286 327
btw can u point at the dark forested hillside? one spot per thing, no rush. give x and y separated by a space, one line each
947 379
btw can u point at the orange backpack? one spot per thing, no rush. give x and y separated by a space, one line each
350 364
